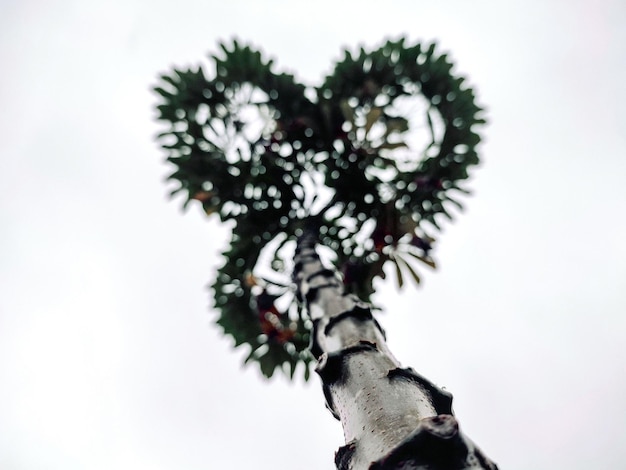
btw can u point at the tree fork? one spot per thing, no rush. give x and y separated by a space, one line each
392 417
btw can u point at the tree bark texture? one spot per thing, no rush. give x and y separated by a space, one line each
392 417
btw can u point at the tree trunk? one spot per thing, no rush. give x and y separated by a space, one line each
392 417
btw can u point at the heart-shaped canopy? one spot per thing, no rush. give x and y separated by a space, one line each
371 160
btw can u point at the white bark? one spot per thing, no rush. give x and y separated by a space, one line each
391 417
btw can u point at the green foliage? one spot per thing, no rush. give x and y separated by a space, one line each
245 141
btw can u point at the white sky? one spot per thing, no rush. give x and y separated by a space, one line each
108 359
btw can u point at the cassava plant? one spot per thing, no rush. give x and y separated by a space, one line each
323 188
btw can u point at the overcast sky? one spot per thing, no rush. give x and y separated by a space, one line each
108 355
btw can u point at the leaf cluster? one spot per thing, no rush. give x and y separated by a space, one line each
245 140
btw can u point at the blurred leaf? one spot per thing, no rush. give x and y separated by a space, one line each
424 260
396 124
371 118
268 364
398 272
163 93
392 145
208 210
348 112
431 127
410 269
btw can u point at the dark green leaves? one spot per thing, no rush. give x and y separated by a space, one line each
384 148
